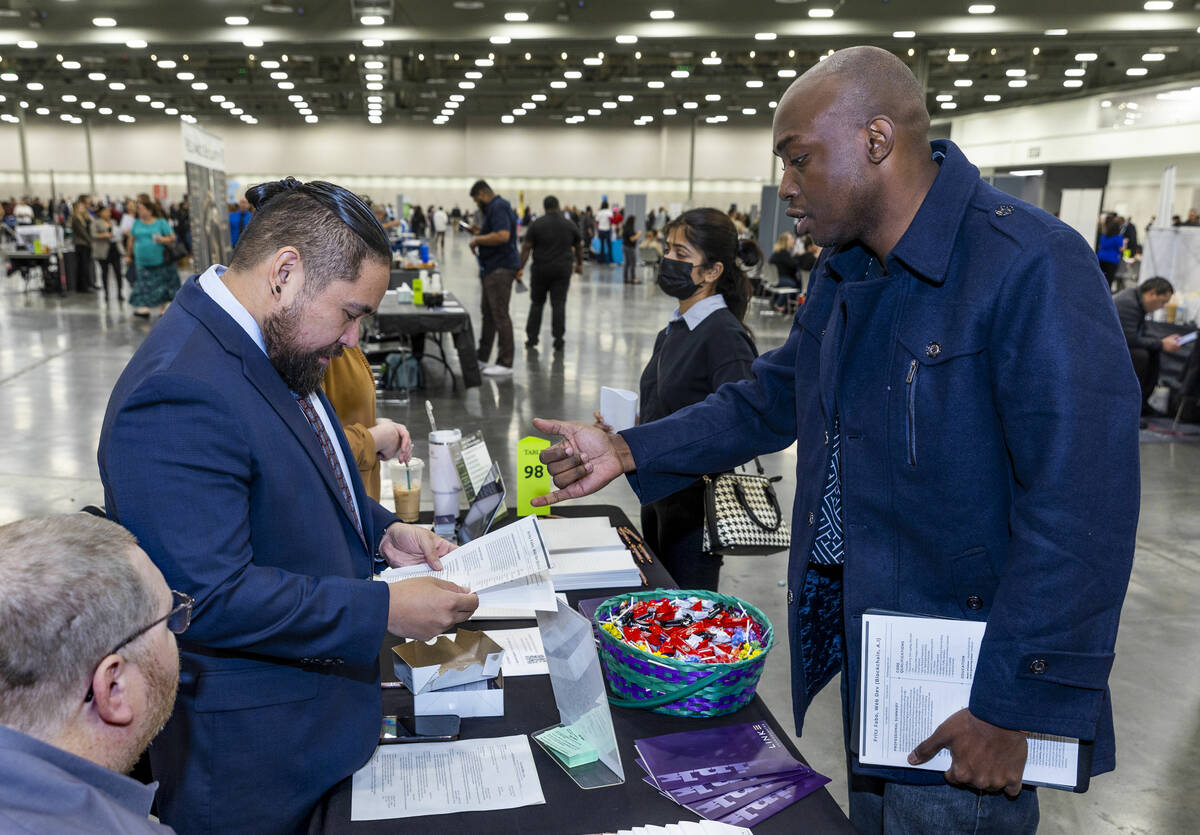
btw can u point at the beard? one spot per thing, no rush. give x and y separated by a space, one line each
301 369
162 682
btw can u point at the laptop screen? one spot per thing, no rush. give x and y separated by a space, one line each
489 499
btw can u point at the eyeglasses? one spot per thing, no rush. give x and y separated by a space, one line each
178 620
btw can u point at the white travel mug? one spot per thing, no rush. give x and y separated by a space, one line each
443 478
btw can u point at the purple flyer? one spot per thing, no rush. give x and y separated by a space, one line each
714 754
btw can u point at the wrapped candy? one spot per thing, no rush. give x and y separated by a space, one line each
687 629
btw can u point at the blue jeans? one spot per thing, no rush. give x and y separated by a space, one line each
898 809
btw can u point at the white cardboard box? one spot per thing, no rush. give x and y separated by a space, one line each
479 698
470 657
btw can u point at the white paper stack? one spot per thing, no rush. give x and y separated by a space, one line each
587 553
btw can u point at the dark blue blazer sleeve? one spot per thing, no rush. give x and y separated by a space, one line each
176 444
1068 403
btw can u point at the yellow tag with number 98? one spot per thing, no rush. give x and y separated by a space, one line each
533 479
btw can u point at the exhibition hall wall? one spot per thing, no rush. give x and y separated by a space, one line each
1138 133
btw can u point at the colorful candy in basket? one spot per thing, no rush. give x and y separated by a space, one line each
687 629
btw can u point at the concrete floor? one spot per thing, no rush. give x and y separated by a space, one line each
60 358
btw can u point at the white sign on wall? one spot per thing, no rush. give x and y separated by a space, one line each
202 148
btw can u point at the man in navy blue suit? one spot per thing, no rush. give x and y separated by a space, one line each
964 412
221 454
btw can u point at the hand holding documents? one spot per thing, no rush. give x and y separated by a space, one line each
917 672
1188 337
507 567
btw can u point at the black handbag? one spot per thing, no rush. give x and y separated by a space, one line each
174 251
742 515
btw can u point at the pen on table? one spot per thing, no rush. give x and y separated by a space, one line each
429 411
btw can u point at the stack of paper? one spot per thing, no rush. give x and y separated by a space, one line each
508 567
740 775
687 828
587 553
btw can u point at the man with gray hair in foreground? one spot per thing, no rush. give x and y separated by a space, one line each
88 674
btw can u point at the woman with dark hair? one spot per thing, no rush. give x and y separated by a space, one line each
1108 250
629 239
417 222
157 278
704 345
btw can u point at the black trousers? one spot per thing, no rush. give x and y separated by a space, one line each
673 528
1109 269
113 261
1145 365
85 275
553 283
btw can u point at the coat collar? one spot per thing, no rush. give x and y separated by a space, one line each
263 376
926 246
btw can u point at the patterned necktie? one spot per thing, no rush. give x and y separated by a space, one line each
314 420
828 545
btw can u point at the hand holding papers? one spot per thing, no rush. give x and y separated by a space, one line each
507 567
916 673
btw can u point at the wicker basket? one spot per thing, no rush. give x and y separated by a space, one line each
637 678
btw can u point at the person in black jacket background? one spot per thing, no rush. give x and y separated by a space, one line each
1133 305
704 345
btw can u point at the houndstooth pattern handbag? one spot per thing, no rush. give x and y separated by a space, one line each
742 515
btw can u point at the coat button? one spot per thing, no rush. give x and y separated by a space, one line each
974 602
826 438
933 349
1037 667
790 596
811 518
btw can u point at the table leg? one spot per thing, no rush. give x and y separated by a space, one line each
468 360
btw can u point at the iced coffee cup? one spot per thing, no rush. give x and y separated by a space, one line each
406 488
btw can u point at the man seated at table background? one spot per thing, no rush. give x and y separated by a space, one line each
1134 304
88 674
220 453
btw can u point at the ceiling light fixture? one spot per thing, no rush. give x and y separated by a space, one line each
372 20
754 83
104 22
669 111
558 85
958 57
35 86
237 20
662 14
373 43
820 12
1018 82
116 85
1075 72
656 85
981 8
593 62
142 98
1073 82
711 61
786 73
1154 56
1136 71
1084 57
507 119
904 33
27 44
136 44
475 76
944 97
479 62
625 98
572 74
690 105
71 65
1158 5
1055 33
516 17
679 73
764 36
287 85
538 97
627 39
312 120
127 119
500 40
609 105
991 97
949 105
465 85
963 82
1015 73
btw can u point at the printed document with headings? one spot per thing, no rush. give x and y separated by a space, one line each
511 553
916 672
440 778
524 654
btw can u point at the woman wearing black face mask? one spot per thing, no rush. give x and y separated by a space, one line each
703 346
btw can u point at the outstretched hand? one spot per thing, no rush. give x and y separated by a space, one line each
586 459
983 756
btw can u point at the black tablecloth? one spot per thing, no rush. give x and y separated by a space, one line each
395 319
529 706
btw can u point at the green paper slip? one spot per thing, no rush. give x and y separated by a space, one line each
569 746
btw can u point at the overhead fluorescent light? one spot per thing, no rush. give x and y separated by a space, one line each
1158 5
690 105
141 97
820 12
104 22
991 97
372 20
593 62
679 73
1015 73
535 97
1136 71
1086 56
166 65
609 105
1073 82
500 39
134 44
557 85
786 73
944 97
71 65
479 62
572 74
312 120
516 17
27 44
656 85
1074 72
1018 82
594 111
754 83
1055 33
627 39
1154 56
507 119
116 85
252 43
125 117
662 14
1026 172
199 86
764 36
904 33
981 8
625 98
713 97
949 105
963 82
287 85
958 57
36 86
749 111
237 20
669 111
372 43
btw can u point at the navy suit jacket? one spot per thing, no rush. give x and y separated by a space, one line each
988 413
207 458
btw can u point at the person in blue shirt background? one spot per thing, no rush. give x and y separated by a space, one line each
495 245
1108 252
238 220
964 414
